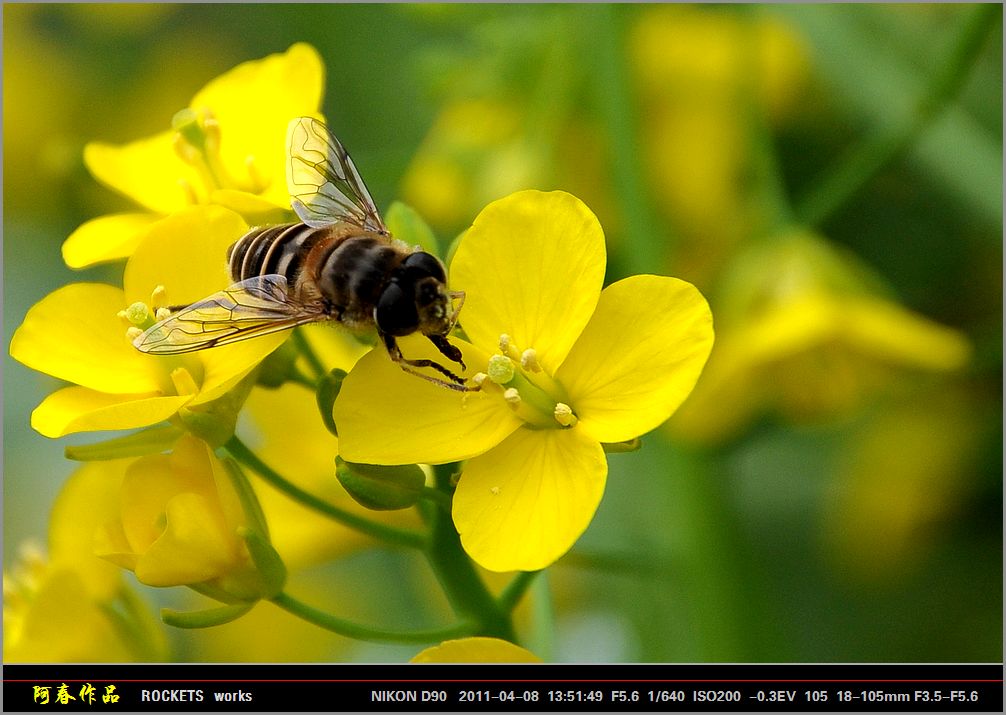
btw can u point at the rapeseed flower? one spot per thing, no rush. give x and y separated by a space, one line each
564 367
228 147
80 333
182 521
809 332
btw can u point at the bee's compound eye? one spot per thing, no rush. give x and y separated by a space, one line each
396 312
422 264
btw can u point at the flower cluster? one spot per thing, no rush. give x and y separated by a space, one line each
559 370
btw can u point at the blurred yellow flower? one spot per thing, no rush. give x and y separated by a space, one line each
476 650
77 335
474 152
702 73
228 147
72 606
278 424
179 523
806 331
566 367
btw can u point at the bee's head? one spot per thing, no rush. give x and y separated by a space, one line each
416 299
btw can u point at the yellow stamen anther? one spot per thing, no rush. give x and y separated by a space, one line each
508 348
121 315
158 296
132 333
162 314
529 360
478 378
512 396
564 415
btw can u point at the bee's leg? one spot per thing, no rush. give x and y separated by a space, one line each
451 352
457 383
458 295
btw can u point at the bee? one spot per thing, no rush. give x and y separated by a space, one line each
339 263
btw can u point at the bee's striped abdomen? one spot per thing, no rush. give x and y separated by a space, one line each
272 250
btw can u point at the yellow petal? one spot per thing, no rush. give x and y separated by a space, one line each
186 253
192 548
74 334
387 416
639 357
532 265
147 171
107 238
901 337
78 409
254 103
476 650
523 504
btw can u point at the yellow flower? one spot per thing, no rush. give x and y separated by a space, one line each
228 147
807 331
76 334
72 606
476 650
179 522
564 368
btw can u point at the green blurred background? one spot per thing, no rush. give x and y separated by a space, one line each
859 529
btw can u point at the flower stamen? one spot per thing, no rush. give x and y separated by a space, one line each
564 415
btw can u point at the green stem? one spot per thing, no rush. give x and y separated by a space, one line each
611 82
305 349
438 497
389 534
466 592
295 375
864 162
514 591
366 633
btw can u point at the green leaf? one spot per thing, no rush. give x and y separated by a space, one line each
379 487
407 225
326 392
138 444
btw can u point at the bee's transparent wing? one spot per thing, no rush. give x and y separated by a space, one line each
254 307
323 182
